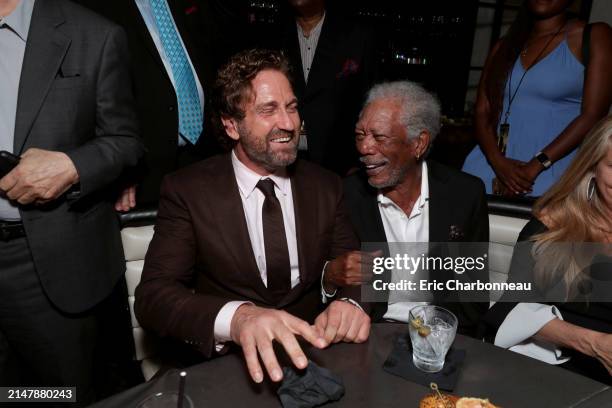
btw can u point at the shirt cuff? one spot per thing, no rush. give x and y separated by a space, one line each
521 324
324 294
223 323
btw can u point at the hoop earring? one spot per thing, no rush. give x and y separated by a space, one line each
591 188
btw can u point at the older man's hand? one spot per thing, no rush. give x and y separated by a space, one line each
41 176
351 269
127 199
255 328
343 321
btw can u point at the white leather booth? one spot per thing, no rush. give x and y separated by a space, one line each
135 244
504 230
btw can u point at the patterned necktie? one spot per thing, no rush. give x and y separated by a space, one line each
190 109
278 267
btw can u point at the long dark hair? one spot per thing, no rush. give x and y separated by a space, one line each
502 62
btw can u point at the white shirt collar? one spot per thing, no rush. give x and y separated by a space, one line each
19 19
247 179
423 197
315 30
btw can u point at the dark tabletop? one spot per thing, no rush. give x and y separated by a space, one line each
508 379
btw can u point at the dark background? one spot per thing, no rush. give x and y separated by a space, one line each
441 44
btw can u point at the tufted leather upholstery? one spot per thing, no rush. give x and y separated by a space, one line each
503 232
135 244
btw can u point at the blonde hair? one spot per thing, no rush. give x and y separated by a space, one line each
571 216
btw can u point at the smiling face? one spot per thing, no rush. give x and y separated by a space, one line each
603 178
268 135
385 149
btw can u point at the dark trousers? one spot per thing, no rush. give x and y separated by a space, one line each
39 344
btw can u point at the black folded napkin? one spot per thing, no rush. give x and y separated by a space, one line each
400 363
311 387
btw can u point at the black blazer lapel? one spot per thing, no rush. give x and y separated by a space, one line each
325 56
370 223
372 220
439 196
292 48
227 205
440 193
45 50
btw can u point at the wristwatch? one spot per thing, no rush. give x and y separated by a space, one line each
543 159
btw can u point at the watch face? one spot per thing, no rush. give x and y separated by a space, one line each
543 158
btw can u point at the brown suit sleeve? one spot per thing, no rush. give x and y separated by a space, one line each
165 302
345 240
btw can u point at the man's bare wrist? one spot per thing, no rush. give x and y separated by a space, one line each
237 320
74 176
589 343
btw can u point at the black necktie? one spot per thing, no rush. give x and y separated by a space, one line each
278 267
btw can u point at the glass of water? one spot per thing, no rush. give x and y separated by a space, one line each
432 332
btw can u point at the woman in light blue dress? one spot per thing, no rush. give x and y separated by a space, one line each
535 81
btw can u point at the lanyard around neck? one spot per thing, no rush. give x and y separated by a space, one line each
512 95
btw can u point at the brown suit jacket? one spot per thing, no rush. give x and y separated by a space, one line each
201 256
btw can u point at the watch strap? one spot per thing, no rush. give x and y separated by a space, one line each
543 159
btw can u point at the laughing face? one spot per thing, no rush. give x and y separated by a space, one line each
385 149
268 135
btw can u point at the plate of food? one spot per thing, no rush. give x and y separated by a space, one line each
439 400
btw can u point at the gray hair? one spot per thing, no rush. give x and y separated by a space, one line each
420 108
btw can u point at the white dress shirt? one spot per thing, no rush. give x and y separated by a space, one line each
252 203
402 228
517 330
308 45
144 6
14 29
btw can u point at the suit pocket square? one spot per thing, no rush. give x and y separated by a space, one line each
456 233
190 7
64 73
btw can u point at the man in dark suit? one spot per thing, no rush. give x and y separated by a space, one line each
334 63
403 198
205 31
241 239
67 94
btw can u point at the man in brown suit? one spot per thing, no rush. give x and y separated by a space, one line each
241 239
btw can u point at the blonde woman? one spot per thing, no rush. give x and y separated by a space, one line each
567 254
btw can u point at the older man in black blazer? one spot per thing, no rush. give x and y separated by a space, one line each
75 129
400 197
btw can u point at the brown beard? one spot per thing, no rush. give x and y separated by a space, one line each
259 150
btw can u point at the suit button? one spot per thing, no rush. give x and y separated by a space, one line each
171 108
